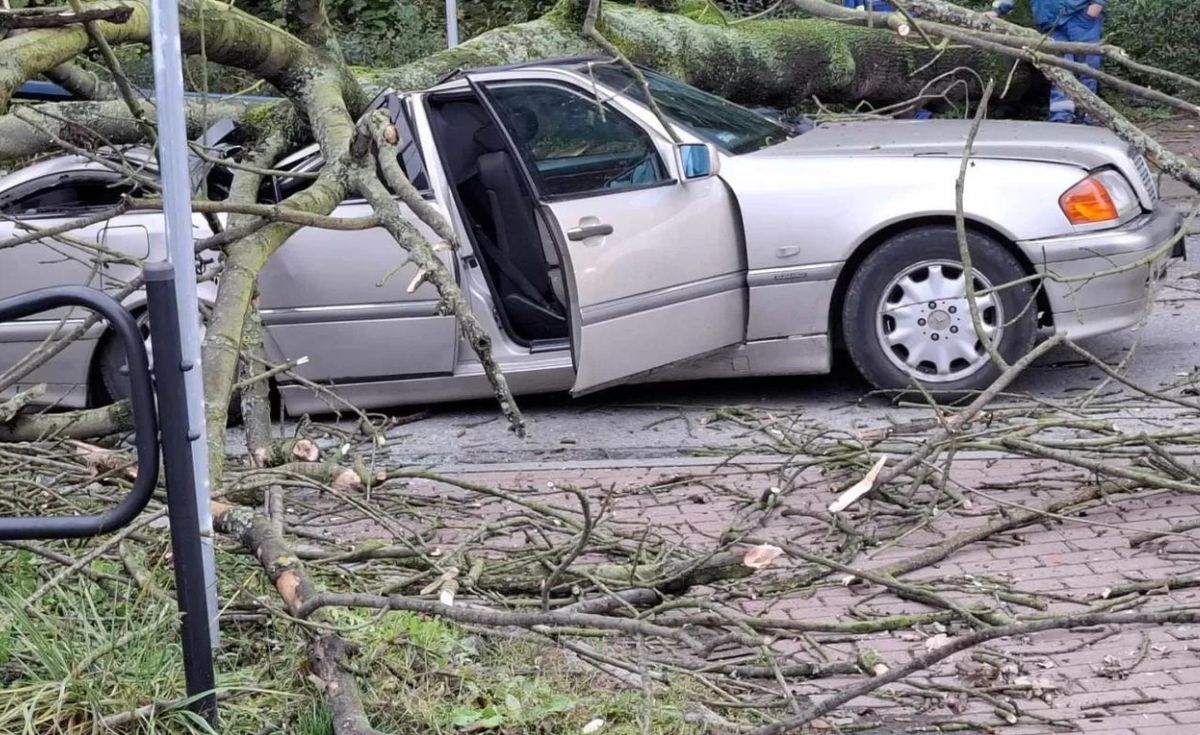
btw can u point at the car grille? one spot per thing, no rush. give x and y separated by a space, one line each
1147 176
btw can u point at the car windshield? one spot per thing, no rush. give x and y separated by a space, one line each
730 127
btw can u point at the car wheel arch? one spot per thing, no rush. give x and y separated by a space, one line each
882 235
137 306
97 392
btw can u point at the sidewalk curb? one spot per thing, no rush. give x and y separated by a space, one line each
763 462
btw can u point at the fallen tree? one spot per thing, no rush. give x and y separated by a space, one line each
779 62
770 62
843 56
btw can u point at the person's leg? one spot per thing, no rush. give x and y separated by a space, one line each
1062 107
1083 29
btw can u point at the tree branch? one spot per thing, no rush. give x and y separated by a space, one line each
57 17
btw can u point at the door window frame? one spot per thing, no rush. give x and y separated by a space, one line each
482 88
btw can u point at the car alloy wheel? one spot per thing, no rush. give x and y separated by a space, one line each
906 321
924 323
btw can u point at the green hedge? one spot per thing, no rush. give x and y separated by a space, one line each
1164 33
392 32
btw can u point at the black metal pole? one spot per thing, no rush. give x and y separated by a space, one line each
169 369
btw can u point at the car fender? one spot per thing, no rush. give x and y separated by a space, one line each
808 211
804 221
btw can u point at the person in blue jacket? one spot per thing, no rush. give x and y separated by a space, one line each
1078 21
878 6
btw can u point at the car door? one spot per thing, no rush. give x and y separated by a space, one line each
75 257
656 264
342 299
97 255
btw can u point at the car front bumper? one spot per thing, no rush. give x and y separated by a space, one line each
1106 281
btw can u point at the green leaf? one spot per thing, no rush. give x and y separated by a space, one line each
464 716
559 703
555 704
512 705
495 720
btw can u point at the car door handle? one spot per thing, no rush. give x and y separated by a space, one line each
583 232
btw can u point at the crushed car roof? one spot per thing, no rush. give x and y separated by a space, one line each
113 160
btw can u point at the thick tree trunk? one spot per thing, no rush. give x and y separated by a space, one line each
761 62
87 424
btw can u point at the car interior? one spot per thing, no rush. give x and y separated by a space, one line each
90 187
67 193
507 231
88 190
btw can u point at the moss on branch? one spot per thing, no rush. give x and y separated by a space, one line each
769 62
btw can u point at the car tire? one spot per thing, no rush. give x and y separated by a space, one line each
906 319
111 382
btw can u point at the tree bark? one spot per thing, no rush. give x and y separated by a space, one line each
56 17
326 657
87 424
762 62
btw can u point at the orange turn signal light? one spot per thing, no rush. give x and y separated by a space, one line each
1087 203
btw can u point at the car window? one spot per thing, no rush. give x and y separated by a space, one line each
718 121
282 187
573 143
66 196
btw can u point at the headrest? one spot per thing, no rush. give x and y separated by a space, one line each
522 125
489 138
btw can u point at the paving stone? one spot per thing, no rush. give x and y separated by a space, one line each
1071 559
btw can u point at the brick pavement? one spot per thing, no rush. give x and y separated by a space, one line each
1140 681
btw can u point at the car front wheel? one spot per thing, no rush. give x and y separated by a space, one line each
112 377
907 320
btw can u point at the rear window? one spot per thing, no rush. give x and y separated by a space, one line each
66 195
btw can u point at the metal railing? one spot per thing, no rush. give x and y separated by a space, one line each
171 438
145 418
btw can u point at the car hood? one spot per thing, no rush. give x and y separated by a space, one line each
1075 145
1071 144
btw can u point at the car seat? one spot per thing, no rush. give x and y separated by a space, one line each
523 273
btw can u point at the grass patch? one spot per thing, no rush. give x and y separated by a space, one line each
86 652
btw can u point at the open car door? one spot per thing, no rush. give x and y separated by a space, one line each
654 257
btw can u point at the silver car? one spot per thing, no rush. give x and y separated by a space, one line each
598 250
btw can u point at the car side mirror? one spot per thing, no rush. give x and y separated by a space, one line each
697 160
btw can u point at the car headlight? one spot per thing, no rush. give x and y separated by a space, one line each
1104 197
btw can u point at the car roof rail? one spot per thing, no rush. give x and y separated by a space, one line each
561 61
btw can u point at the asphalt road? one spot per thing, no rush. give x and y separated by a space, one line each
670 420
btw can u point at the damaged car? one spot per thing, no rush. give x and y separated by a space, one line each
598 247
